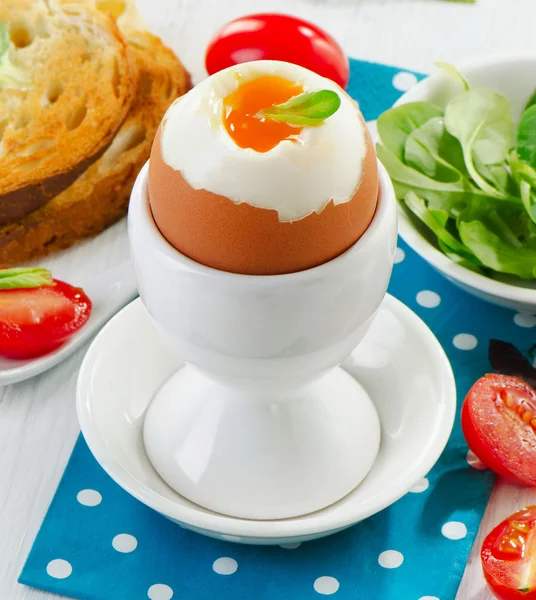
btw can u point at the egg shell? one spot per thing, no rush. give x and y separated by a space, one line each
240 238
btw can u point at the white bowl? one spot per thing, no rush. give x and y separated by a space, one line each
399 363
511 76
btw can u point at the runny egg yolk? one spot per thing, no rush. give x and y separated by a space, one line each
241 113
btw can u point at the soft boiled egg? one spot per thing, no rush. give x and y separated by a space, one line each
243 193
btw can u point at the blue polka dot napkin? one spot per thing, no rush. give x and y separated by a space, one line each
98 543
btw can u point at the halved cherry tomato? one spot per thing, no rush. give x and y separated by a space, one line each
499 424
277 37
509 557
36 321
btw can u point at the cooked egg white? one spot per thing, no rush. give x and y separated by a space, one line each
296 178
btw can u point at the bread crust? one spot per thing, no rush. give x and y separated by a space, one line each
100 196
83 83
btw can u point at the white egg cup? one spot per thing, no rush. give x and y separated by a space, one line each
262 423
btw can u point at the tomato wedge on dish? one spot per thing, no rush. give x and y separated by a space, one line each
499 424
36 321
509 557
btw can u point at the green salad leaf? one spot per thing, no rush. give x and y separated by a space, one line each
24 277
528 197
451 70
396 124
467 176
11 76
531 101
437 221
432 150
481 120
497 254
526 137
308 109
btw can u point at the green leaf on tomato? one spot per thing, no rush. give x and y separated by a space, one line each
24 278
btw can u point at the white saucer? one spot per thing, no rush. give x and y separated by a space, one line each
400 364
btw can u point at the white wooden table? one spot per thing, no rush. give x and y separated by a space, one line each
38 425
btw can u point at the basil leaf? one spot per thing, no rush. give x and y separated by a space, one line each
307 109
482 121
395 125
453 71
20 278
526 137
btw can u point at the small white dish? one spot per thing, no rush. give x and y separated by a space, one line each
399 363
109 291
507 75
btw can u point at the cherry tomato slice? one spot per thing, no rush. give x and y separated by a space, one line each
509 557
277 37
499 424
36 321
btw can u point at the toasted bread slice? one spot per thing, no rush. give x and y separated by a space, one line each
81 84
100 196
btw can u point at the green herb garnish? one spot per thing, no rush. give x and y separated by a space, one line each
20 278
11 76
468 176
308 109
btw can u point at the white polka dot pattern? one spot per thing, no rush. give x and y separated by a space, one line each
89 497
125 543
454 530
225 566
59 568
390 559
428 299
465 341
160 591
400 255
326 586
404 81
525 320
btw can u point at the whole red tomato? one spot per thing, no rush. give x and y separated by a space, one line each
499 424
277 37
509 557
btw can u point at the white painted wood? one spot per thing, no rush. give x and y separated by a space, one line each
37 418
